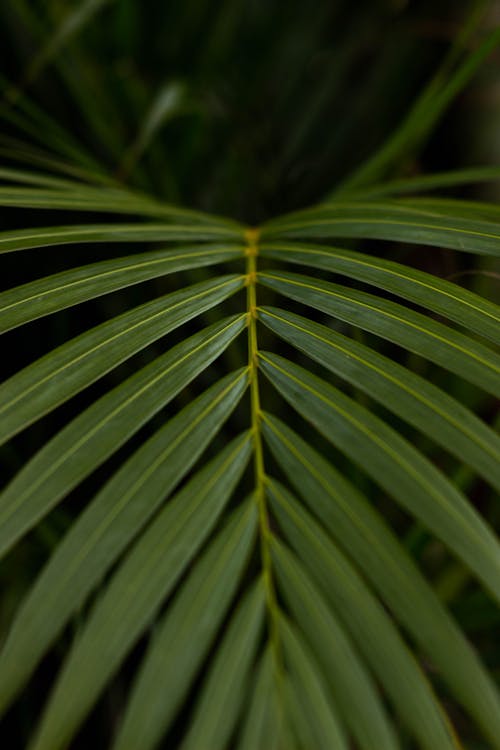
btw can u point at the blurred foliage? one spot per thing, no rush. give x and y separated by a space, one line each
274 104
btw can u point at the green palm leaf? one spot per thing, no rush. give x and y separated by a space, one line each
69 235
45 296
393 463
418 333
136 591
45 384
310 706
399 390
362 535
349 681
325 647
109 523
186 633
222 695
220 485
369 625
392 221
433 293
264 720
100 430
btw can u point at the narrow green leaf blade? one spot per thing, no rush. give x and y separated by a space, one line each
454 207
52 293
430 292
440 417
60 374
435 181
183 639
100 430
79 198
370 626
24 239
310 704
136 591
81 167
108 524
226 686
418 333
351 686
73 196
40 179
108 195
393 463
264 723
171 101
366 539
392 221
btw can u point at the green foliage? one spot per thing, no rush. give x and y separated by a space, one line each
249 473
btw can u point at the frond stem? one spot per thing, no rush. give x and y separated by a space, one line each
252 237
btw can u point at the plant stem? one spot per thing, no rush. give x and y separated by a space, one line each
252 237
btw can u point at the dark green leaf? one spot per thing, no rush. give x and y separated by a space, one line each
429 291
135 592
57 376
393 463
109 522
100 430
370 626
364 537
440 417
418 333
182 639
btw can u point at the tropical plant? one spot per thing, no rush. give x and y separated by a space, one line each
242 450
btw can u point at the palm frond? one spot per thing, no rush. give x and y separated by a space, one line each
232 449
328 636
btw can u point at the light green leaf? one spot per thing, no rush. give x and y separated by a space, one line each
100 430
404 473
51 380
136 591
370 626
108 523
392 221
74 196
183 638
430 292
366 539
169 102
454 207
224 689
431 410
353 689
23 239
309 702
10 174
435 181
264 724
418 333
52 293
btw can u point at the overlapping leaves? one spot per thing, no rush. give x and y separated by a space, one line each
225 448
275 605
